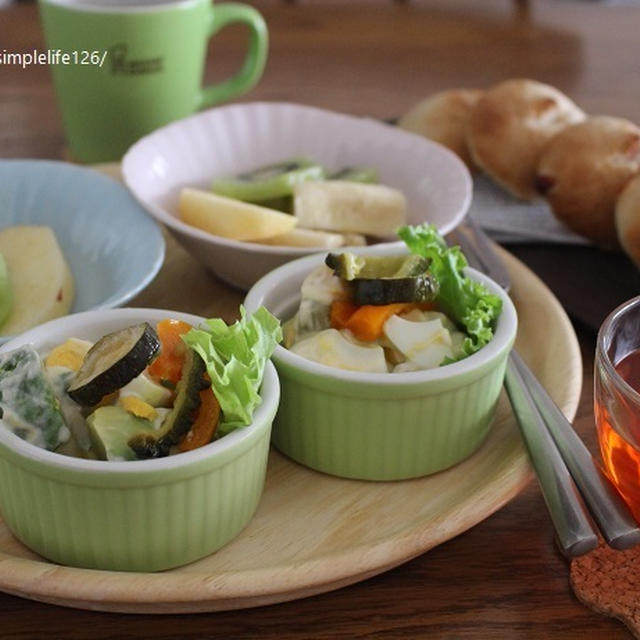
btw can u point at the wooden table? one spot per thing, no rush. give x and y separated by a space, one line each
503 578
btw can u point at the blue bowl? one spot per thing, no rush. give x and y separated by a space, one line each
113 247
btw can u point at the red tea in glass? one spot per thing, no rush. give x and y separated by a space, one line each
617 400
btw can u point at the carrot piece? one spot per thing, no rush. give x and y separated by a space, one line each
341 311
368 320
167 367
206 422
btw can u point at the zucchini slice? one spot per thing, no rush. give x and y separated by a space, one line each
112 362
155 444
349 266
381 291
380 280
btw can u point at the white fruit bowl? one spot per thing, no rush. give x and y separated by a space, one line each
232 139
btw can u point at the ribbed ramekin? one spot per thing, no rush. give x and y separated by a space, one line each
377 426
143 515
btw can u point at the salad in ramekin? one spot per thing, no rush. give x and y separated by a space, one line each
393 313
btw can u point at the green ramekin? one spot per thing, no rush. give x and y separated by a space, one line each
143 515
381 426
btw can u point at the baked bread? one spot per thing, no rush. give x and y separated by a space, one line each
443 117
583 171
627 219
511 125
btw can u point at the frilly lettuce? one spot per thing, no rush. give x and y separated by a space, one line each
236 356
465 301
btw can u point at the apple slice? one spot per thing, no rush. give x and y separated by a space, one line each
6 298
231 218
42 285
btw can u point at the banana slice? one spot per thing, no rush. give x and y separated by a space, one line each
231 218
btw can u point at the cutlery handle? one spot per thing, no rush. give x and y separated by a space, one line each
493 265
608 509
574 529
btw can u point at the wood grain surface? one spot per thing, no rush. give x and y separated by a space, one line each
504 577
313 532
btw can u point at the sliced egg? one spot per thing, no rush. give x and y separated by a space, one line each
426 344
331 348
69 354
323 286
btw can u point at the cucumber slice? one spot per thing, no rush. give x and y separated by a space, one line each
368 175
112 362
269 182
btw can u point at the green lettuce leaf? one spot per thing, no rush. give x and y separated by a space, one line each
236 356
467 302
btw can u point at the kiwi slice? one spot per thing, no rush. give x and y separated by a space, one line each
283 203
368 175
269 182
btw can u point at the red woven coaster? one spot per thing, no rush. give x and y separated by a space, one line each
608 581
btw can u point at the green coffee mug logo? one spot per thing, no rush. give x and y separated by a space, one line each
121 64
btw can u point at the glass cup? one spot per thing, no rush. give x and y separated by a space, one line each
617 399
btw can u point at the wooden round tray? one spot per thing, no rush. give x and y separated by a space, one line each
312 532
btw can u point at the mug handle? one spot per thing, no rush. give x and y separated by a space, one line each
254 62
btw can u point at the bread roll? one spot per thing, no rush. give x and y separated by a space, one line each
443 117
627 219
511 125
583 171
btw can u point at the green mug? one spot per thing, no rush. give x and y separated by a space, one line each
126 67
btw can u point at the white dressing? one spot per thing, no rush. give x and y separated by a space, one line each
331 348
60 377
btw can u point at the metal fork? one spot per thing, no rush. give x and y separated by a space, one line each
569 478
